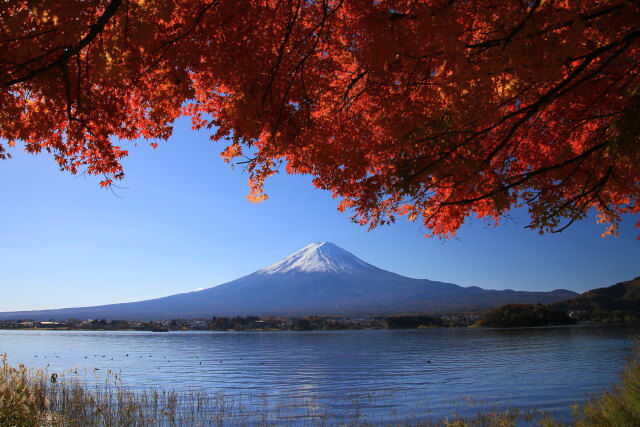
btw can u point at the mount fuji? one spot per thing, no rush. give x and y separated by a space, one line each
321 278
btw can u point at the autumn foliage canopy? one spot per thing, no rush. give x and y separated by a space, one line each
436 110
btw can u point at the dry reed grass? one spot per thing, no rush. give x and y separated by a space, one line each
31 397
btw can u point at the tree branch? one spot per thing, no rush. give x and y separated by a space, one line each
94 31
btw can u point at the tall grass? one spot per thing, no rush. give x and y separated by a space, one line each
22 395
33 398
619 407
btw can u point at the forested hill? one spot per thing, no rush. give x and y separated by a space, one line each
619 303
623 296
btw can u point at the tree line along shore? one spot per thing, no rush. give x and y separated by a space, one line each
509 315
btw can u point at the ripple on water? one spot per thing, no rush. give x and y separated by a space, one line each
375 370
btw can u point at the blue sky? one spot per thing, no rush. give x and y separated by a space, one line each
182 223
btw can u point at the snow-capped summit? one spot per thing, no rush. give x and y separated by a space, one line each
322 257
318 279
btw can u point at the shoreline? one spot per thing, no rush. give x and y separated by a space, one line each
579 324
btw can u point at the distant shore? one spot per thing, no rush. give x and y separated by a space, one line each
508 315
252 323
307 323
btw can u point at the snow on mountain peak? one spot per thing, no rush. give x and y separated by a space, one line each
319 257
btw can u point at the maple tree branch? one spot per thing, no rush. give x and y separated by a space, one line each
560 90
583 17
67 90
606 11
596 189
125 30
557 91
352 83
94 31
506 39
69 101
566 178
29 36
514 97
78 82
596 100
442 156
625 44
526 176
23 65
319 30
166 45
274 69
193 25
530 110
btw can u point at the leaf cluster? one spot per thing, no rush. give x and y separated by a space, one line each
435 110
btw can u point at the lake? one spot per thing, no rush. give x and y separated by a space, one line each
378 373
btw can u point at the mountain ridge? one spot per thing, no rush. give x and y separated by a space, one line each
623 296
320 278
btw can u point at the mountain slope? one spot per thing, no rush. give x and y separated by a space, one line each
624 296
321 278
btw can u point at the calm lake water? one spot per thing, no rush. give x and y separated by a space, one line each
380 373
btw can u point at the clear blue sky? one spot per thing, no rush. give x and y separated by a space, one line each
183 223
